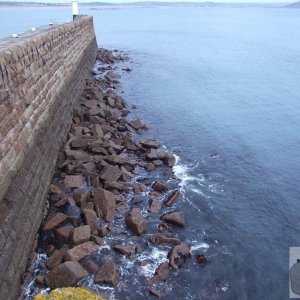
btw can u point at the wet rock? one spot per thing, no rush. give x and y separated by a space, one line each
40 280
155 205
176 218
54 220
105 204
160 186
81 143
164 228
149 144
161 274
201 259
81 234
108 274
116 229
90 218
125 249
102 231
91 267
63 233
110 173
157 162
149 167
74 181
61 202
155 293
120 186
178 254
163 239
50 249
97 240
55 259
169 160
91 103
80 251
137 124
66 274
172 198
53 189
136 222
139 188
155 154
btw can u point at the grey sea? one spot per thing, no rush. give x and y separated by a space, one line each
221 88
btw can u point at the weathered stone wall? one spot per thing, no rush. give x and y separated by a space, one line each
41 76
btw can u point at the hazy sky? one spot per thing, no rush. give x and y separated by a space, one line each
125 1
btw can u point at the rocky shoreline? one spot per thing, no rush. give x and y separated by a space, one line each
103 205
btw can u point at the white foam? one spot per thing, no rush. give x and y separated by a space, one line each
203 246
155 258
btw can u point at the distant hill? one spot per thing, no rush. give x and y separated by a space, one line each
294 5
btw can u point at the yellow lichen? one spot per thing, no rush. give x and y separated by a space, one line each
69 293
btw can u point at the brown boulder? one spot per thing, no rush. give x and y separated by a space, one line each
178 254
160 186
176 218
91 267
80 251
163 239
110 173
74 181
91 103
161 274
102 231
172 198
65 275
125 249
53 220
90 218
169 160
149 144
55 259
105 204
107 274
53 189
201 259
155 205
63 233
81 234
137 124
136 222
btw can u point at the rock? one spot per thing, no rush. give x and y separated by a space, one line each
163 239
155 205
61 202
201 259
97 240
149 167
81 143
81 197
178 254
91 267
161 274
110 173
54 260
74 181
160 186
172 198
53 220
105 204
149 144
108 274
81 234
116 229
120 186
90 218
155 154
137 124
155 293
157 162
40 280
63 233
66 274
91 103
136 222
176 218
139 188
102 231
53 189
125 249
169 160
80 251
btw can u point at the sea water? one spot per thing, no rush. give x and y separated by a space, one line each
221 88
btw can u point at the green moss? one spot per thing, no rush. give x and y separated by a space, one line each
69 293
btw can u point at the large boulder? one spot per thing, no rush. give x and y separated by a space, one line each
90 219
65 275
105 204
154 205
80 251
110 173
172 198
160 186
136 222
74 181
108 274
176 218
54 220
81 234
125 249
178 254
161 274
149 144
159 238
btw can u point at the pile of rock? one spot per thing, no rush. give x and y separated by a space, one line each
88 193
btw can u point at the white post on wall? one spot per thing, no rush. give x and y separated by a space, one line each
75 8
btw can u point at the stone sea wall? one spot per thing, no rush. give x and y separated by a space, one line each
41 78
